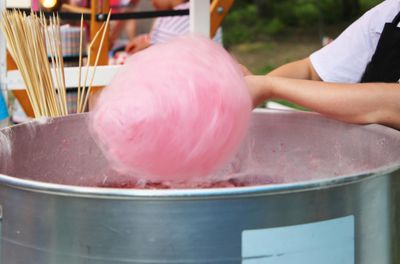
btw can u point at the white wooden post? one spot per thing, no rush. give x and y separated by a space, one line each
18 3
3 55
4 118
200 17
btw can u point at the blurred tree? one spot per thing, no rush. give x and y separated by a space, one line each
265 8
251 20
350 9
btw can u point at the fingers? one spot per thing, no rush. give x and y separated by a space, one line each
130 48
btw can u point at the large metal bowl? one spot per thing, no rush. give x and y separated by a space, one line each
336 200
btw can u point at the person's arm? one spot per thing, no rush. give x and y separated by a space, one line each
118 26
301 69
140 42
115 31
355 103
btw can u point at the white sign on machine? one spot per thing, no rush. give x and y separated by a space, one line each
324 242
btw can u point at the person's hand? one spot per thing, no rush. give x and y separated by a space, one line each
137 44
131 47
259 88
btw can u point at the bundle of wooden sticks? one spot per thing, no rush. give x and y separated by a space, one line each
43 68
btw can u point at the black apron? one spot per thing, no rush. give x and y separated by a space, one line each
385 63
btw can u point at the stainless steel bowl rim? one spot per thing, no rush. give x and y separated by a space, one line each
133 194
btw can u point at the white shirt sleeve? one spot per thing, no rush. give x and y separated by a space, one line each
344 60
167 28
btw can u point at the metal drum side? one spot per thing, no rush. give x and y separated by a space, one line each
330 172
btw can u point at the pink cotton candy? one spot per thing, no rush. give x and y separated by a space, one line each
175 112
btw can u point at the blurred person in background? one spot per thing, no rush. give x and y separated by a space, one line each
128 28
165 29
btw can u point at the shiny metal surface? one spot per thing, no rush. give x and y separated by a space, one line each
325 170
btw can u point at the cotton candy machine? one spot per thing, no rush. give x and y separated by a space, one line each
333 198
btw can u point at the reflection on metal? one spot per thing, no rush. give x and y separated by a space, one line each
1 234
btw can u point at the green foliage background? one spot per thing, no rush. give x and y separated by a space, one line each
251 20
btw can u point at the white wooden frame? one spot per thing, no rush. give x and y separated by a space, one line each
103 76
3 56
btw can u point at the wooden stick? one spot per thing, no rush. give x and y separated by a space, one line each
36 60
75 9
50 91
54 60
80 103
97 58
61 58
80 64
19 53
25 40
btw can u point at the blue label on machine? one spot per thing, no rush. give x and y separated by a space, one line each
327 242
3 108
